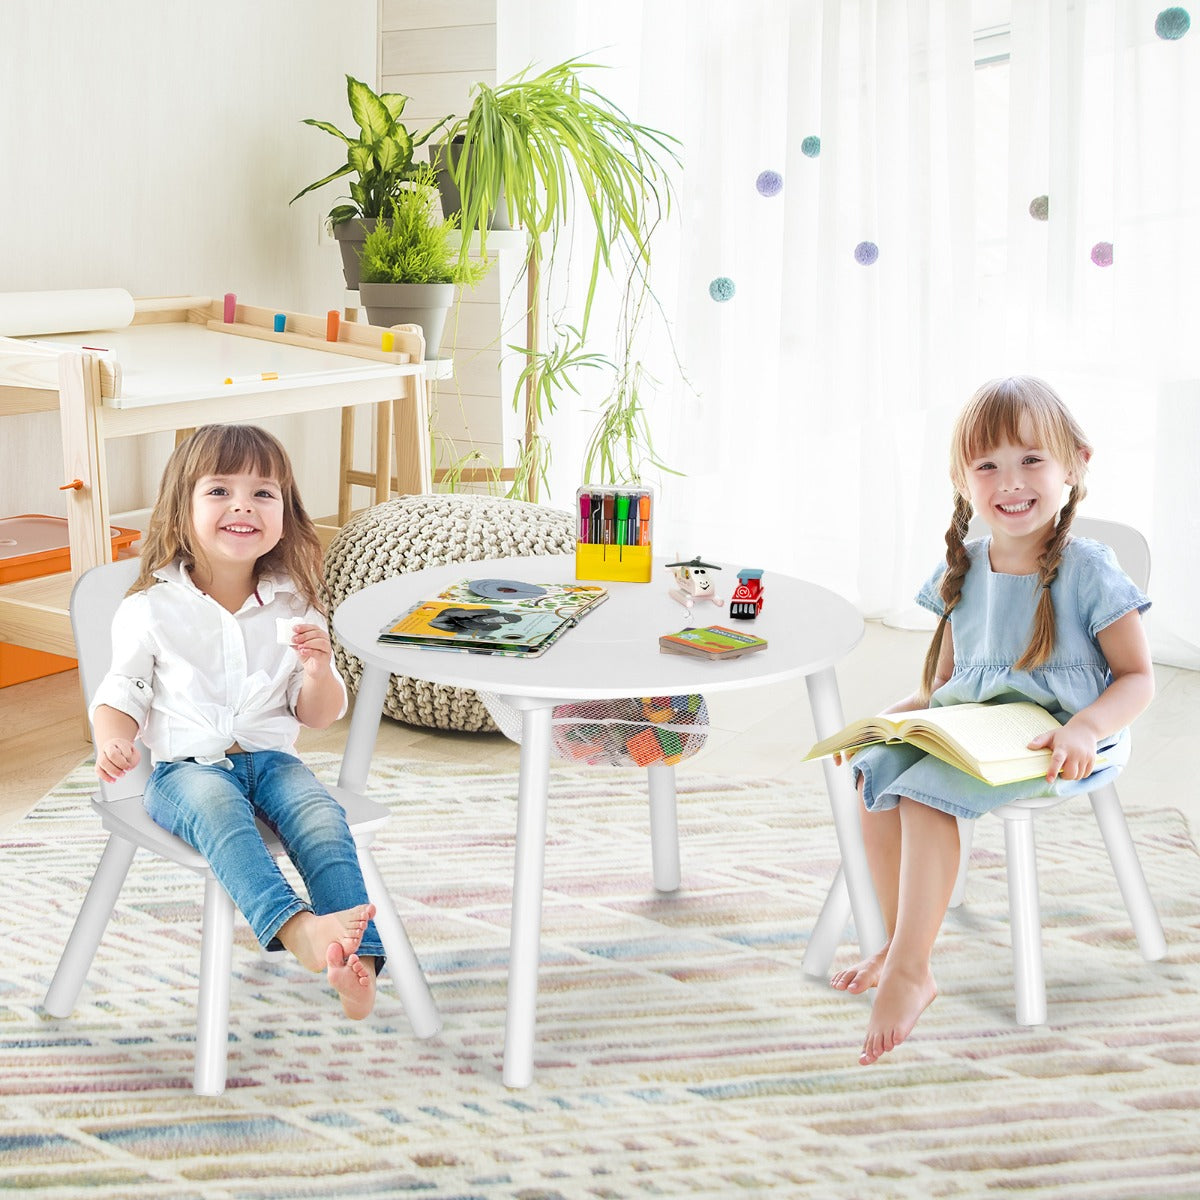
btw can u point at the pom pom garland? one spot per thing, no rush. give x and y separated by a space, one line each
721 289
1172 23
1102 254
769 183
865 253
811 146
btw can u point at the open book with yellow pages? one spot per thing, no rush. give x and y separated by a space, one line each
989 741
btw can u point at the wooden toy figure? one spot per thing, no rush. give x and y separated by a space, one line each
747 599
693 583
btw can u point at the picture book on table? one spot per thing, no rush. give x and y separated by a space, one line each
494 616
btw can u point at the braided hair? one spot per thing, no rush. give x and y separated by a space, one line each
992 417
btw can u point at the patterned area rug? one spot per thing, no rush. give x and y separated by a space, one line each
680 1050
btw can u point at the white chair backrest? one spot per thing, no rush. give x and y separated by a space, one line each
94 601
1131 549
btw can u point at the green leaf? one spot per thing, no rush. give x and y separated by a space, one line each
344 170
394 102
369 112
325 125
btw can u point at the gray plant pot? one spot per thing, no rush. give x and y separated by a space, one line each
444 156
350 236
424 304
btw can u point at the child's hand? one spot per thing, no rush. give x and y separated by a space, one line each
312 644
1073 752
115 757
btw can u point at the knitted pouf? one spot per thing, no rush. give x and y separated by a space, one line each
426 531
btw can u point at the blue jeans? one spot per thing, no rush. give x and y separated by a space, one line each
213 809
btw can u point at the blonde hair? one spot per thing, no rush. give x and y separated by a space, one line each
231 450
992 417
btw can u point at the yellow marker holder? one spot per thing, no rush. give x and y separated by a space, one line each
613 561
625 564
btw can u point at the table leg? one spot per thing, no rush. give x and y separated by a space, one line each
364 729
826 705
528 875
664 827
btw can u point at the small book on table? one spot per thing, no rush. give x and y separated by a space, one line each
711 641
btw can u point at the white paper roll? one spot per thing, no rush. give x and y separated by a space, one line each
75 311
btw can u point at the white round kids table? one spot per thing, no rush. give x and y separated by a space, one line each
613 652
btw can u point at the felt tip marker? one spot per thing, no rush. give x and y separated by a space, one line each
251 378
585 517
622 531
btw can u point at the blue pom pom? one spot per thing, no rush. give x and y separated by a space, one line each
1039 208
1172 23
721 289
769 183
811 146
866 253
1102 254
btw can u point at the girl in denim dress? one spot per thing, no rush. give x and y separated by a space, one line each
1029 613
220 654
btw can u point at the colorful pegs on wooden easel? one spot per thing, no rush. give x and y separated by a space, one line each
331 325
387 341
280 322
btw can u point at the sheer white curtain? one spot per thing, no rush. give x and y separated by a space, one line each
1104 117
812 436
870 298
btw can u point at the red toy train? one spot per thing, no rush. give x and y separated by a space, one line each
747 599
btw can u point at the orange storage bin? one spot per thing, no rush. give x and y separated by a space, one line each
30 546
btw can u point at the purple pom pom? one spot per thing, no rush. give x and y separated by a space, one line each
1102 254
866 253
769 183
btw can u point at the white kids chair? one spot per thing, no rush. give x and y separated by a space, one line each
1024 906
94 600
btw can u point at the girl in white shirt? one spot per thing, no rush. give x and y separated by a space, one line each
220 652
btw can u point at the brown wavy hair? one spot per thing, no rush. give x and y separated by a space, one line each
231 450
992 417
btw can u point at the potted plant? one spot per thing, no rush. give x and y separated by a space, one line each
410 264
381 158
549 149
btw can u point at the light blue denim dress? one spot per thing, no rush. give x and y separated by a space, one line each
991 627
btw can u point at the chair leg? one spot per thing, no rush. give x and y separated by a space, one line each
1106 804
966 832
664 827
212 1007
89 927
402 962
1025 918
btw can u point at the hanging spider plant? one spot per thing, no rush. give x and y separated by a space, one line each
559 154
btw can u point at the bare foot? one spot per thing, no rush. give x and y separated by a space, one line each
900 1001
862 975
353 979
308 936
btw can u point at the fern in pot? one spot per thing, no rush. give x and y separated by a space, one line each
411 265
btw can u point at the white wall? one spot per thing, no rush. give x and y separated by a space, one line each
154 145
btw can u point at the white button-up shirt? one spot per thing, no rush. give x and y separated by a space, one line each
197 678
